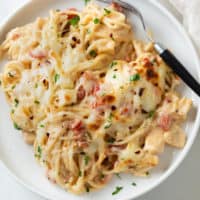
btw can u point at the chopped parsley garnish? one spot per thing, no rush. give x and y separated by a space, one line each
88 31
10 74
13 87
56 78
117 190
16 126
102 176
93 53
135 77
107 12
75 20
86 1
111 140
108 124
39 152
41 126
147 173
87 189
133 184
151 113
118 176
36 102
80 173
114 76
36 85
16 102
12 111
113 64
96 21
86 158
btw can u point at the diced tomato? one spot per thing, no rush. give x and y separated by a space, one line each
81 93
38 54
165 122
117 7
95 88
15 36
70 16
76 125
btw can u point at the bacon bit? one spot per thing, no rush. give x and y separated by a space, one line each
128 58
71 16
95 88
38 54
15 36
117 7
165 122
81 93
124 111
76 125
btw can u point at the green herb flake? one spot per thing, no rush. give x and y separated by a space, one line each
135 77
151 113
107 12
37 102
10 74
102 175
39 152
117 190
56 78
87 1
13 87
108 124
16 126
118 175
86 158
36 85
80 173
93 53
12 111
114 76
75 20
88 31
113 64
147 173
96 21
133 184
16 102
41 125
111 140
87 189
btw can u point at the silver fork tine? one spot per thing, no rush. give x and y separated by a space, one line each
132 9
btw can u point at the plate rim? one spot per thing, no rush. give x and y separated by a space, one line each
186 150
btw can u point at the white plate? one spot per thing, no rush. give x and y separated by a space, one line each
18 157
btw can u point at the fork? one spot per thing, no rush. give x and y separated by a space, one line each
164 53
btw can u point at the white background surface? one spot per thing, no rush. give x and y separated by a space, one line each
182 185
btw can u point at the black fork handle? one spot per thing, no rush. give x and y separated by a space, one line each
178 68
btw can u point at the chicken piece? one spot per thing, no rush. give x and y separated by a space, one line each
175 137
29 138
155 142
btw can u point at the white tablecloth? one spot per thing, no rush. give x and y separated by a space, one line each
182 185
